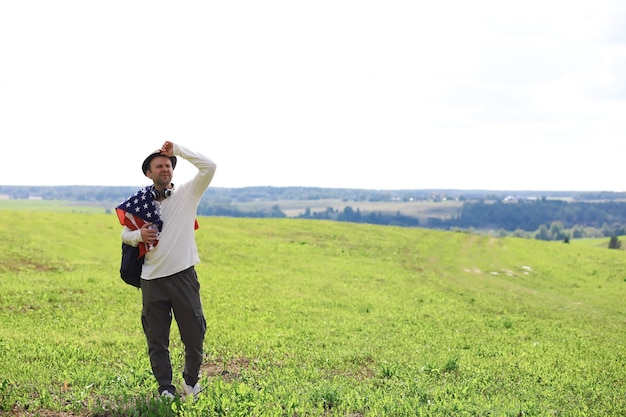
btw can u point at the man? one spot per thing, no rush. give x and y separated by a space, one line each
161 219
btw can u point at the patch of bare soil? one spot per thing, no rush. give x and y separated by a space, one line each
229 370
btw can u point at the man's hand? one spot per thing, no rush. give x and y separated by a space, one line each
148 233
167 148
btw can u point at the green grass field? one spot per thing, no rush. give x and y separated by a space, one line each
315 318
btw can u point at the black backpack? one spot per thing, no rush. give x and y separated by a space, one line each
130 268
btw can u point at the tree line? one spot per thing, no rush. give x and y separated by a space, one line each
589 214
542 219
266 193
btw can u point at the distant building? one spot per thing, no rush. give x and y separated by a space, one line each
438 198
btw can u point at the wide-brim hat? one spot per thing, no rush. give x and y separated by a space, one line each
146 163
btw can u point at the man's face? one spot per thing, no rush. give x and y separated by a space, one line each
161 171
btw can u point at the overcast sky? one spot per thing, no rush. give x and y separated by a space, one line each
499 95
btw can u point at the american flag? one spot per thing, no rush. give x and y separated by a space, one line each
138 210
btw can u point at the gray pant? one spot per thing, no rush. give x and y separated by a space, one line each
180 294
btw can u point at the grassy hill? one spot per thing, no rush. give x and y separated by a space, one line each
317 318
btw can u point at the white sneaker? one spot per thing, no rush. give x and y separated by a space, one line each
168 395
189 390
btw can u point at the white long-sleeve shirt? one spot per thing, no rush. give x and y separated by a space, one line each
176 249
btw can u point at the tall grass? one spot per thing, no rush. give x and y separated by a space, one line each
317 318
